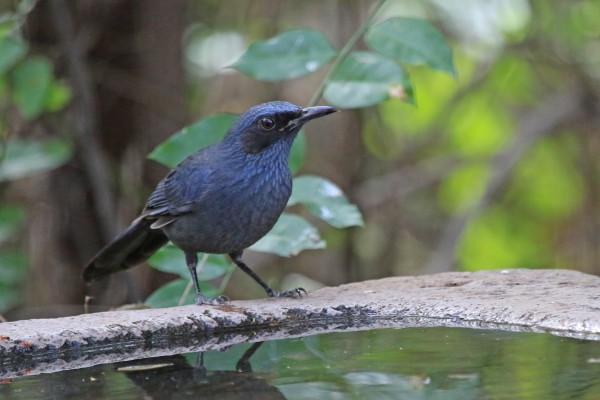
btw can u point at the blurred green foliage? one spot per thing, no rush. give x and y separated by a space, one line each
27 83
24 157
530 221
441 120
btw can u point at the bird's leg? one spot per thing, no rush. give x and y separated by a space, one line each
243 364
237 259
191 260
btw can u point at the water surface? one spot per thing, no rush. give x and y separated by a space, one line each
412 363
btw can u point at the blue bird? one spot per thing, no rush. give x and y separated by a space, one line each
219 200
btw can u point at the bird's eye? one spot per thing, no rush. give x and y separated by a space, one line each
267 123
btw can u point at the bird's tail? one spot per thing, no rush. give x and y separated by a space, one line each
135 245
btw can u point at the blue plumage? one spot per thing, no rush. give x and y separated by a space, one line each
221 199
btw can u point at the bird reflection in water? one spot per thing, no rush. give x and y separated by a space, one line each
172 377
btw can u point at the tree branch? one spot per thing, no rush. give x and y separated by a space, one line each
92 157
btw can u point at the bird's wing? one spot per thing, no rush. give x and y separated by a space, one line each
162 200
181 190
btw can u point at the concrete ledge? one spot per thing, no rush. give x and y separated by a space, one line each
561 302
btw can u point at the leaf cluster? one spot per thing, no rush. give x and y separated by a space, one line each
355 79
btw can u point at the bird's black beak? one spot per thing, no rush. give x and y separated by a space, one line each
309 113
315 112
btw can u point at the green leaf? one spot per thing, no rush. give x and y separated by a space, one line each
3 92
463 187
13 271
326 201
11 51
13 266
169 295
290 235
364 79
27 157
480 134
9 24
548 182
11 218
202 133
172 260
59 95
31 81
25 7
9 297
412 41
496 239
297 153
288 55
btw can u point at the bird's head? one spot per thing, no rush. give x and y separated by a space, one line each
265 124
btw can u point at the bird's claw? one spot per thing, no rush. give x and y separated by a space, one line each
294 293
213 301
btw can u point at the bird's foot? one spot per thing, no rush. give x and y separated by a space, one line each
295 293
213 301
